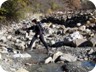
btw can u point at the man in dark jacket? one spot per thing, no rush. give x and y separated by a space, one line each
37 28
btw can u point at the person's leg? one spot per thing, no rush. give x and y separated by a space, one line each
32 41
42 40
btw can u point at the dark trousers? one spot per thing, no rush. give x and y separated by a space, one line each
41 38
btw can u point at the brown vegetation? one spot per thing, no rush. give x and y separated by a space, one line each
16 9
76 4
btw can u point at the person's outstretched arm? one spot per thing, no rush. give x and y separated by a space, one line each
30 28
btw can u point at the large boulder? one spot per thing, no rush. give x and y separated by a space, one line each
59 56
93 40
84 66
48 60
78 42
56 55
74 36
68 57
74 39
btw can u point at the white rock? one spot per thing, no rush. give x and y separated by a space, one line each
4 50
68 57
82 28
88 30
27 36
56 55
9 37
1 32
2 70
60 12
92 35
78 24
24 55
13 69
20 45
88 22
52 42
22 70
53 26
91 51
34 44
73 36
17 40
79 42
3 38
48 60
76 35
50 31
30 38
13 39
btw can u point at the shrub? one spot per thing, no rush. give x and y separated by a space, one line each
54 6
14 9
2 13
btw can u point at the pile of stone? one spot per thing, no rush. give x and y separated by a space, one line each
59 56
58 34
79 35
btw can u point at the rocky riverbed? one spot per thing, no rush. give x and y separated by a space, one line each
71 39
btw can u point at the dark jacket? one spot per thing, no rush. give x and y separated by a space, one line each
38 29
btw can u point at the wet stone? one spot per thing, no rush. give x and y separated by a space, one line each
83 66
46 68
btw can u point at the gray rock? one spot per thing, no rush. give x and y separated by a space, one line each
74 36
93 40
83 66
22 70
20 45
48 60
90 51
23 55
9 37
46 68
56 55
82 28
4 50
3 39
88 31
68 57
74 39
79 42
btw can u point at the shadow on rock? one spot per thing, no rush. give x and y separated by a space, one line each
58 44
